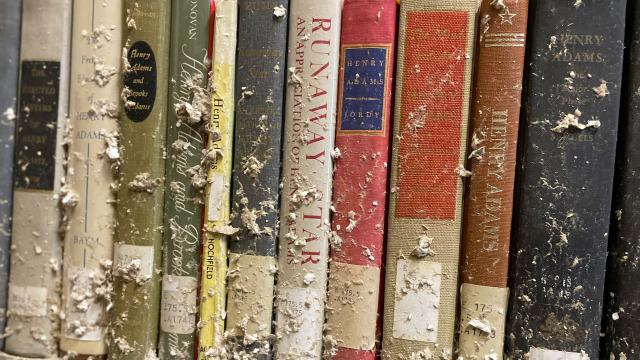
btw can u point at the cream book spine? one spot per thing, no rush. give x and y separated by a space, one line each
34 301
94 157
310 113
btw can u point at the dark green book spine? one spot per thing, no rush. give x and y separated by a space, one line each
140 210
622 308
183 206
260 82
568 137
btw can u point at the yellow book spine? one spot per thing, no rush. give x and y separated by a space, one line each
218 194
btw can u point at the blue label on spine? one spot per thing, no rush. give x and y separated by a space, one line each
363 89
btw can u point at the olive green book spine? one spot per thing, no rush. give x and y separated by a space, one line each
183 205
140 207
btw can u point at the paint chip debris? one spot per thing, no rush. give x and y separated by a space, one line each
309 278
480 325
223 229
602 90
352 221
279 12
462 172
573 120
498 4
423 248
9 114
293 77
142 183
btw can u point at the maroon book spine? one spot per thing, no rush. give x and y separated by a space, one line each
365 105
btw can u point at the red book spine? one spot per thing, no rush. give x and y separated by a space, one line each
365 105
212 28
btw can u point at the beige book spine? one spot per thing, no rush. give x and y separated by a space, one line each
94 95
36 257
434 76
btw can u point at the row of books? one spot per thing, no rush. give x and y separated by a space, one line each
225 179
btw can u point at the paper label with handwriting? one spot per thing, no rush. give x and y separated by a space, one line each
178 304
416 311
27 300
482 321
299 310
352 305
251 292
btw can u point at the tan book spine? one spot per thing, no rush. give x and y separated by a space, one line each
94 156
434 75
310 110
36 254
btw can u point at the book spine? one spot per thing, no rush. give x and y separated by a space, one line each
36 247
9 70
139 215
5 356
363 129
429 150
218 192
565 182
489 198
313 54
96 48
622 331
183 208
259 97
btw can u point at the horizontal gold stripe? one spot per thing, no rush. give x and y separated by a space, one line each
504 45
505 34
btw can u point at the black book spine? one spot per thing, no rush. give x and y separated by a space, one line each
622 328
9 61
260 82
260 76
567 156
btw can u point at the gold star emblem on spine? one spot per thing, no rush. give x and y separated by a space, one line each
506 16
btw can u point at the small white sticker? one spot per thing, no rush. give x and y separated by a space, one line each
216 198
132 261
546 354
300 319
27 300
178 304
417 300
